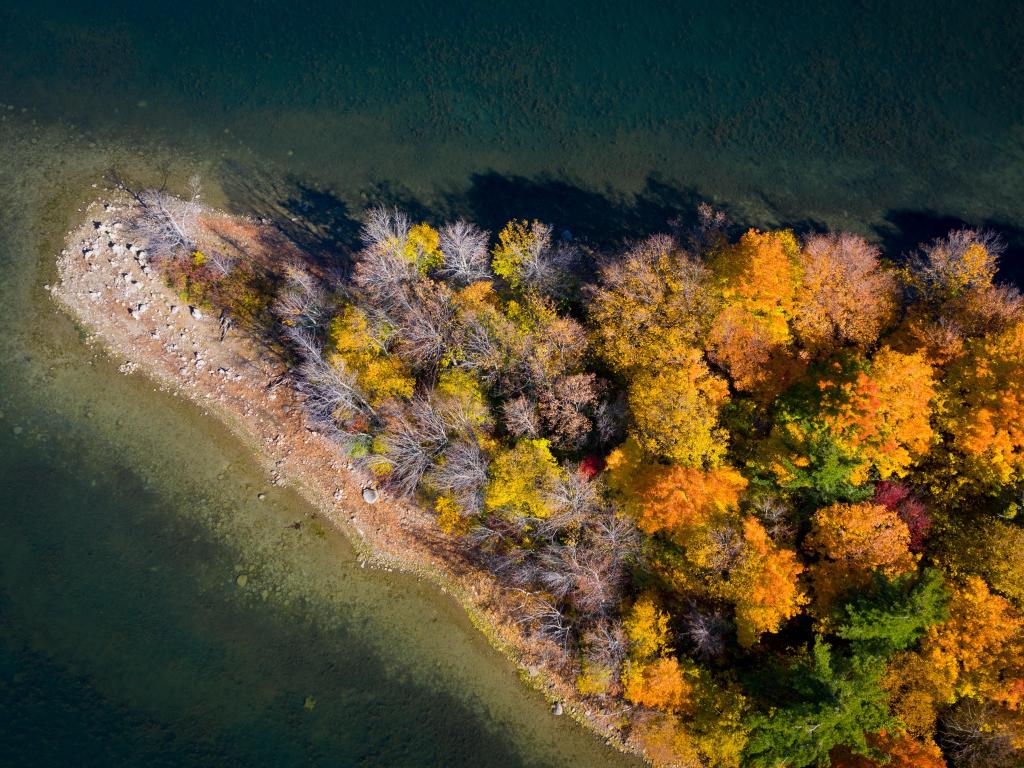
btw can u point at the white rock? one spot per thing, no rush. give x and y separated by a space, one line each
196 313
370 495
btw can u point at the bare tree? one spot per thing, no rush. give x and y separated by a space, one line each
706 630
331 396
776 517
545 617
575 500
221 263
610 419
520 417
464 247
616 534
462 471
425 333
415 439
168 225
385 229
566 407
547 263
975 733
302 302
726 548
385 277
605 645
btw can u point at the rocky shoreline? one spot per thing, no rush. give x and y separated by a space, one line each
109 285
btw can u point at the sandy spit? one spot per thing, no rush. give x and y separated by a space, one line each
108 285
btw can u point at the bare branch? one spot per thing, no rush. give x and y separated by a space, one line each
465 253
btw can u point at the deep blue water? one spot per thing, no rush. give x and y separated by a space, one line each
126 520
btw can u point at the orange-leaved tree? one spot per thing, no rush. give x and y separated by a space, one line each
670 498
652 676
986 410
896 751
750 338
852 541
874 414
764 586
846 295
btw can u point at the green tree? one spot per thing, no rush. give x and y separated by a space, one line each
836 701
895 614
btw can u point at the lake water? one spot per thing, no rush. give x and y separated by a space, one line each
152 610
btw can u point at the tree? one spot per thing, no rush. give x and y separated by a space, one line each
710 733
521 479
566 409
748 347
977 650
356 345
750 337
464 253
675 411
527 258
853 541
986 547
168 225
652 676
948 266
896 750
658 684
646 629
986 410
845 297
761 273
670 498
895 613
861 418
834 702
911 510
764 585
656 297
978 734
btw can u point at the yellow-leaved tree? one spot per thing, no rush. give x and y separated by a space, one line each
675 410
355 345
521 479
653 677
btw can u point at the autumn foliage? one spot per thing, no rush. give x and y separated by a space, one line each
755 495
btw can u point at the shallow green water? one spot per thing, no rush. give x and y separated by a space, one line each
127 520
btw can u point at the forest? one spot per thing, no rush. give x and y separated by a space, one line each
757 491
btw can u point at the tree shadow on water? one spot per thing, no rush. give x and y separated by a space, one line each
603 219
326 228
318 221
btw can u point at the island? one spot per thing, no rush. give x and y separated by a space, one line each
728 497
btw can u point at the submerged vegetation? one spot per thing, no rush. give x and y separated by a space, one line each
758 492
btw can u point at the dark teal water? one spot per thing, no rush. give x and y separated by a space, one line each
126 519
